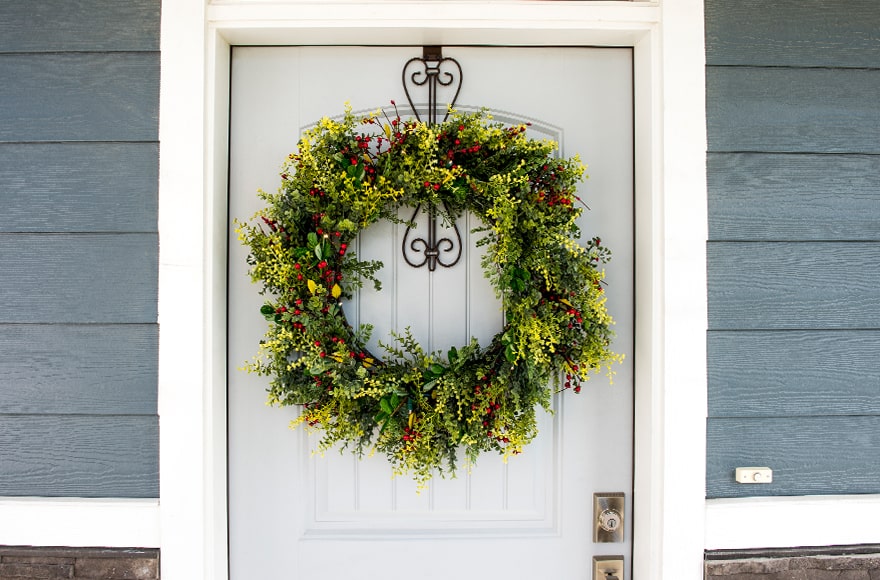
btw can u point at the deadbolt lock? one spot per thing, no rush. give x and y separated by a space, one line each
608 516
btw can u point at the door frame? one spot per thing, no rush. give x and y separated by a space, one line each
670 250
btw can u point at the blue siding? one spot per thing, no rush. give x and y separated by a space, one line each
79 248
79 455
78 278
805 197
79 25
795 33
794 285
799 110
809 455
747 377
82 369
794 226
79 97
79 187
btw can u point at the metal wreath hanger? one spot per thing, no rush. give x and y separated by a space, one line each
435 73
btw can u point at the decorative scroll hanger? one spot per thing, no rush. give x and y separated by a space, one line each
436 74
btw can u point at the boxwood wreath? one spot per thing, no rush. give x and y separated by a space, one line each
420 408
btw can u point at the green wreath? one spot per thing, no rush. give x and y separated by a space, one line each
420 408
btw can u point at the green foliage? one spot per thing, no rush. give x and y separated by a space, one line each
418 408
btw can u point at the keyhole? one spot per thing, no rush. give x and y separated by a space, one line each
609 520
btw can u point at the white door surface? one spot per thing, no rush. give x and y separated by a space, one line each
294 515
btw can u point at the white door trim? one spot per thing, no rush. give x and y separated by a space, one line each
670 246
791 521
79 522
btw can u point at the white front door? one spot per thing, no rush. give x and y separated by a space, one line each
293 515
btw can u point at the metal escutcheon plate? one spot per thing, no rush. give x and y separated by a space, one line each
608 517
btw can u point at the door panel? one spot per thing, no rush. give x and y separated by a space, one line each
297 516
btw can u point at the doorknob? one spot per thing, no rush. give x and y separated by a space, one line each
607 567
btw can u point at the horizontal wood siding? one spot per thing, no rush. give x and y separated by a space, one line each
76 278
79 455
794 373
79 187
102 369
781 197
794 285
79 97
79 25
79 112
796 33
808 455
794 245
809 110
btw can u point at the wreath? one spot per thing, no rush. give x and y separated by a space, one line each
420 408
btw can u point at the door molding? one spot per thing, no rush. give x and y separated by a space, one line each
670 221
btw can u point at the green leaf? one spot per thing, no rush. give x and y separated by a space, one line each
429 385
452 354
319 252
509 353
385 405
267 309
313 239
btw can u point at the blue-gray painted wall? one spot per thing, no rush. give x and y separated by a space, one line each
793 113
79 99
